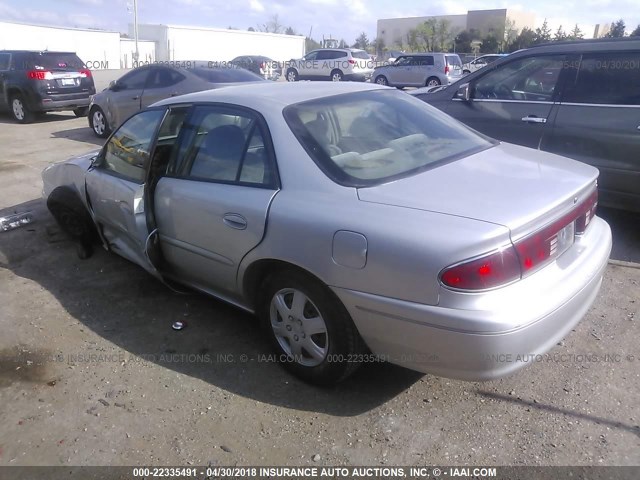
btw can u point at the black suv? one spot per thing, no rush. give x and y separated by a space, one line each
578 99
35 82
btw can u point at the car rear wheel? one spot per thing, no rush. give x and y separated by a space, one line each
292 75
433 82
98 122
80 112
382 80
337 76
309 328
20 111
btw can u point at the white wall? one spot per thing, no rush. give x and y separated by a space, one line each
146 50
99 49
194 43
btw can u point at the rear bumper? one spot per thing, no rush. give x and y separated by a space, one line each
359 76
47 103
488 335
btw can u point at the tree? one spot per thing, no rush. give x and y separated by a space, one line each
362 42
636 32
311 44
543 34
378 44
490 44
290 31
559 35
463 41
576 33
272 26
617 29
251 29
510 33
343 43
525 39
443 35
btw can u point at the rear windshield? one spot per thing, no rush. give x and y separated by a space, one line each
453 60
368 138
226 75
361 54
56 61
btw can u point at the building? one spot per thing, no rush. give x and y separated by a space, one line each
393 31
99 49
184 43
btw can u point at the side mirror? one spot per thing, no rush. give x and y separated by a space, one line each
114 86
463 93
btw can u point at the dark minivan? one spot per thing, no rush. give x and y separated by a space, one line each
579 99
36 82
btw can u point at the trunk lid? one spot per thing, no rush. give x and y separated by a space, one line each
508 185
65 72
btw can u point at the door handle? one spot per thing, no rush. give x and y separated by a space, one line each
137 97
234 220
534 119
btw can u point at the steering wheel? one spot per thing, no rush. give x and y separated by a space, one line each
502 92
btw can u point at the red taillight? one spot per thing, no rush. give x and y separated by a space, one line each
263 66
352 61
85 73
39 75
446 69
525 256
483 273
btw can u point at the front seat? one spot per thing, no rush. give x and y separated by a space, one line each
219 155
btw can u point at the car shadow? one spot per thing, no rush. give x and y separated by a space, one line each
626 233
220 344
6 118
553 410
81 134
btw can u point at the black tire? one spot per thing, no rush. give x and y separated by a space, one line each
432 82
19 109
381 80
336 76
292 75
81 112
466 72
101 130
74 219
343 342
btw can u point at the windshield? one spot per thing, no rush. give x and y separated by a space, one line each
226 75
368 138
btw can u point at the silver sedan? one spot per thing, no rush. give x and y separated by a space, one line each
358 223
148 84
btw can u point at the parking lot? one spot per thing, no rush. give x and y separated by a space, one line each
91 372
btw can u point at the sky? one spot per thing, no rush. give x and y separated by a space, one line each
344 19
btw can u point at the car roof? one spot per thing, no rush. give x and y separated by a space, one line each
425 54
579 46
265 95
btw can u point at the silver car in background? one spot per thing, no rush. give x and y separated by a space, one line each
420 70
481 62
148 84
356 221
334 64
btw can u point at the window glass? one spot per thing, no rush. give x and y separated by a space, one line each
135 79
226 75
404 61
311 56
361 54
607 78
366 138
4 61
167 137
57 61
323 55
164 77
226 147
531 78
128 149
